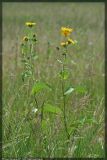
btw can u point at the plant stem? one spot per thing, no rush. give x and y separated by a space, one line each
64 102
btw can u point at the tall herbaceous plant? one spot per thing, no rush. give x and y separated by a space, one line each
64 73
34 86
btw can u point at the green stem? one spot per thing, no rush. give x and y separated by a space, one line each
29 82
64 101
32 62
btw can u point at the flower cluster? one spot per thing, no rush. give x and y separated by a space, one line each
66 32
30 38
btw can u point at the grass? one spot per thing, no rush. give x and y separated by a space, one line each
85 110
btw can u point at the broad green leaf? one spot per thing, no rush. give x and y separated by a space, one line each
52 109
64 74
80 89
69 91
39 86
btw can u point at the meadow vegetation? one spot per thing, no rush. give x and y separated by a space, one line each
35 122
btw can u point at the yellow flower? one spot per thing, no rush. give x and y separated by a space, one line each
66 31
71 41
25 38
30 24
64 44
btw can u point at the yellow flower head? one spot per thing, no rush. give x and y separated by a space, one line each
30 24
66 31
25 38
64 44
71 41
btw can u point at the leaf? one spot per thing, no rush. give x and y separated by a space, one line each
39 86
69 91
52 109
64 74
26 74
81 89
34 56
